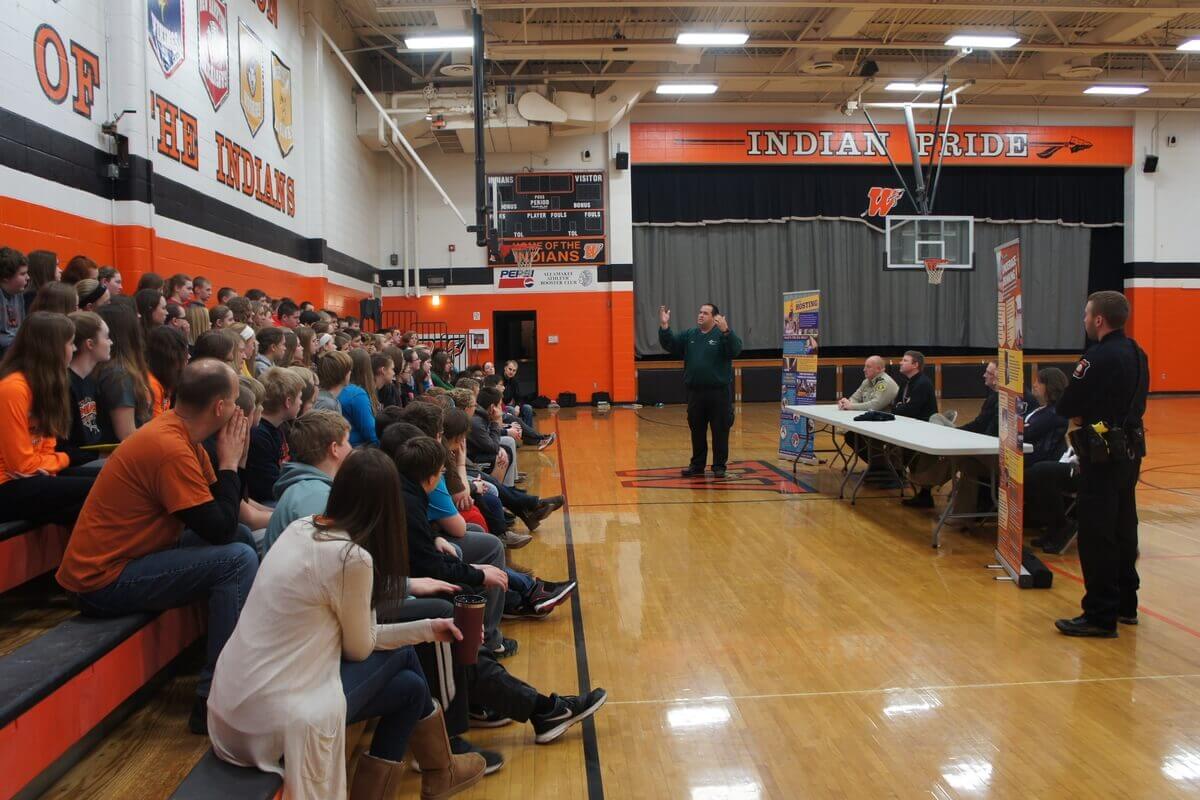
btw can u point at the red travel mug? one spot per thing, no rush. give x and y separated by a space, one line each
468 616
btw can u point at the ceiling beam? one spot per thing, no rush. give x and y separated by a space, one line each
1152 6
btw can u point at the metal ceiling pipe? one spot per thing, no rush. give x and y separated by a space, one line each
477 75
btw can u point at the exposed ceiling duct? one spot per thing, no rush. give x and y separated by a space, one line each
521 121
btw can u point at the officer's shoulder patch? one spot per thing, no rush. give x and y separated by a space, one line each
1081 368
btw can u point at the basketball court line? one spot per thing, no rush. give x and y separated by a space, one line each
591 746
898 689
1174 623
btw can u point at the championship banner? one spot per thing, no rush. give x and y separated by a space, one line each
854 143
1010 383
801 329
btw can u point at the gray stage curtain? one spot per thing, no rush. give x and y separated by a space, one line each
744 268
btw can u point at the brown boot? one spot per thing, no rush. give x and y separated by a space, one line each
442 773
376 778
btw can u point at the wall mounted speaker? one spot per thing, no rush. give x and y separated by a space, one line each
1150 164
622 160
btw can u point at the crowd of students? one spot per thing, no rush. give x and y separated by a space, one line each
324 490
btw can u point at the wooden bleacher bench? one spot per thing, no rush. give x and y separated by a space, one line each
212 777
27 551
61 692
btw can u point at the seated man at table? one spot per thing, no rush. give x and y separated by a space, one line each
875 393
917 399
929 472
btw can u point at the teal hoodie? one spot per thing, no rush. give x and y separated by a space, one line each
301 491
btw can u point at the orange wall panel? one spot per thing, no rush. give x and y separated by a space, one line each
1162 323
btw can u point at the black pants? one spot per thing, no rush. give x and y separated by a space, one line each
1047 485
43 499
494 687
1108 541
710 408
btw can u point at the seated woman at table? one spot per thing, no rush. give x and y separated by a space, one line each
1045 430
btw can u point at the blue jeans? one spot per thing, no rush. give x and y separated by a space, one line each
513 499
389 685
191 571
493 512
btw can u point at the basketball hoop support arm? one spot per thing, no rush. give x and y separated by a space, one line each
408 148
883 143
480 228
911 125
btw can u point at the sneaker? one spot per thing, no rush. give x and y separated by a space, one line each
552 504
1082 626
692 472
568 710
506 648
532 518
460 746
546 441
198 720
718 472
546 595
525 611
514 540
481 717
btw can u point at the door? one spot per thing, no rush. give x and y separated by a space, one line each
516 339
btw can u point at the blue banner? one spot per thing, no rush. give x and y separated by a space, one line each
801 332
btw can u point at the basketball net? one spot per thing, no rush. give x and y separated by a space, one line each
935 268
523 254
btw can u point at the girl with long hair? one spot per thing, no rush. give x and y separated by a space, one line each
443 370
92 348
92 294
290 343
359 402
220 317
151 308
198 322
124 380
249 347
222 345
166 356
36 483
314 601
384 371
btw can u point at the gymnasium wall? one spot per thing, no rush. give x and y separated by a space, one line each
585 334
1162 253
252 184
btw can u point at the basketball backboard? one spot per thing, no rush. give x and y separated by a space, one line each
910 239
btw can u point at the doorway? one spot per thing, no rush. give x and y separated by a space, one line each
516 339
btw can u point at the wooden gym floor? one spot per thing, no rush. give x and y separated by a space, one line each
763 641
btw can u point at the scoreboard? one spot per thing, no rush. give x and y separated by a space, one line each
562 212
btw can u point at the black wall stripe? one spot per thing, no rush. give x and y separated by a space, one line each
1162 269
46 153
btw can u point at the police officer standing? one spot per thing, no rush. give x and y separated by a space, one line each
708 351
1106 399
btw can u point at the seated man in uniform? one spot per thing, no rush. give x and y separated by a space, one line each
875 393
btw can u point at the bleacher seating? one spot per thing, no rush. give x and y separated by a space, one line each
212 777
27 551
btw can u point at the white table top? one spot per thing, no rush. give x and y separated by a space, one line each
915 434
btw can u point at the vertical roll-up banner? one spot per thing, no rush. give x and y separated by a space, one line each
801 332
1011 386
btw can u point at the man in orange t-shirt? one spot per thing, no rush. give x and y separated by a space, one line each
130 552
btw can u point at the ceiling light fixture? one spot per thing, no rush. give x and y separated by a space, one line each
440 42
983 41
1116 90
686 88
1190 46
902 86
712 38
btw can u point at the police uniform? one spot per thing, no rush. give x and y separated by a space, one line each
1109 386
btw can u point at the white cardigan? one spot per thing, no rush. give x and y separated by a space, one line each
277 690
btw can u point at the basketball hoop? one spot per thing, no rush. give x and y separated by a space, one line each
935 268
523 254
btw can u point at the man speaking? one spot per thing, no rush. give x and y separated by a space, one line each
708 351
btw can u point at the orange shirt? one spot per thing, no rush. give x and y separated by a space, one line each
20 450
129 513
159 400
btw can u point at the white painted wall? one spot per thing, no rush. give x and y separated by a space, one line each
1162 204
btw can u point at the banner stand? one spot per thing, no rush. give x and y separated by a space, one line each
1010 385
801 331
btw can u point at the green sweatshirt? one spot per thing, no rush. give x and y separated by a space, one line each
707 357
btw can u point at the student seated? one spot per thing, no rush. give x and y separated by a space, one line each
36 482
1045 430
125 402
333 376
529 434
268 445
358 400
130 551
92 347
270 348
484 443
308 657
319 443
